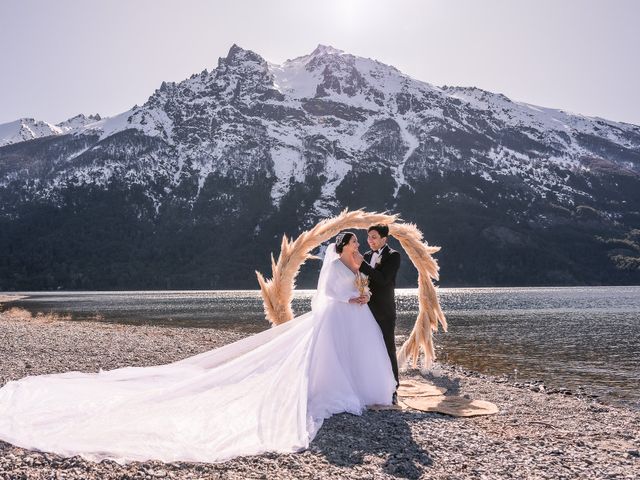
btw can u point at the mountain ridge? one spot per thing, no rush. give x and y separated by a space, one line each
274 148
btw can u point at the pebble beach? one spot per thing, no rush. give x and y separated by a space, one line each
537 434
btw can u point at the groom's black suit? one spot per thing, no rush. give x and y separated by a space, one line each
382 282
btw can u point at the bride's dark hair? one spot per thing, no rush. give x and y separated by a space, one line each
342 239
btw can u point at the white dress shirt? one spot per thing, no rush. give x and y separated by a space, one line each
375 256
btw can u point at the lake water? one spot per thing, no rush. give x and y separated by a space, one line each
566 337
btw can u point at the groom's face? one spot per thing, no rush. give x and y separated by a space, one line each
375 241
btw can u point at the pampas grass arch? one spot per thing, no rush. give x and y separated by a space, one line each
277 292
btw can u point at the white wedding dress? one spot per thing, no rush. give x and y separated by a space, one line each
268 392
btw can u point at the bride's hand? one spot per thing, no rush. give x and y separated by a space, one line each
361 300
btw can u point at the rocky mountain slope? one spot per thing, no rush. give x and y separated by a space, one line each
195 187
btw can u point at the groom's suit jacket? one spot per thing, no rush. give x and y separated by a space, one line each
382 283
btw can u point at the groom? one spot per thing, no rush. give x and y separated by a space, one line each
381 265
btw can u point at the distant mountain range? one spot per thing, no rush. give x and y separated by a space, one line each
194 188
25 129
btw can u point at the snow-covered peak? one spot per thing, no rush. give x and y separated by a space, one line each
238 56
78 121
25 129
521 114
319 51
333 75
109 125
326 50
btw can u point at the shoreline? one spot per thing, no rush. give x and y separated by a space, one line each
8 298
534 435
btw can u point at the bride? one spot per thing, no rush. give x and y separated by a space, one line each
267 392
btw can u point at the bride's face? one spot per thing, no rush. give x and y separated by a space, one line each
352 246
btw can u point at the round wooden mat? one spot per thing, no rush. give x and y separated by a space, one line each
413 388
452 405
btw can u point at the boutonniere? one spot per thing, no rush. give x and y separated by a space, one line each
378 260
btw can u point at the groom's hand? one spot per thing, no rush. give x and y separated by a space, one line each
358 258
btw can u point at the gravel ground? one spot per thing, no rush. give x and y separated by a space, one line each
536 434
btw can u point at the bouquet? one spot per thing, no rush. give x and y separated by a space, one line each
362 284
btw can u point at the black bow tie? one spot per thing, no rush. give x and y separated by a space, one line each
376 251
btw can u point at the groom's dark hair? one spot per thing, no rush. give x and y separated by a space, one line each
383 230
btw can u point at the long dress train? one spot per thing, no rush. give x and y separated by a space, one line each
267 392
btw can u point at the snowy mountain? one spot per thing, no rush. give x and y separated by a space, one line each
78 122
258 148
25 129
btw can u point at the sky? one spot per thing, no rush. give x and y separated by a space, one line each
64 57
